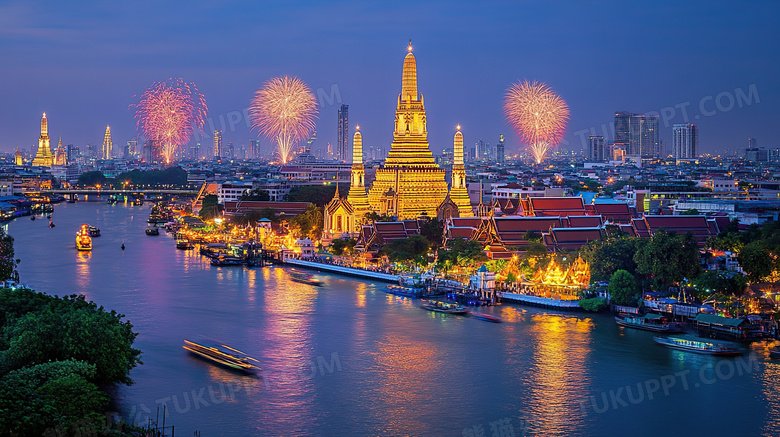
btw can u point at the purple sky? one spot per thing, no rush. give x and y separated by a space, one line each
83 64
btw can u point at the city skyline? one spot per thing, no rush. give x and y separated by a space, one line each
465 71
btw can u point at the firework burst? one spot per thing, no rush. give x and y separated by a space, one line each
538 114
284 109
169 112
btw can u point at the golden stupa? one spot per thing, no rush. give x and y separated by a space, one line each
410 182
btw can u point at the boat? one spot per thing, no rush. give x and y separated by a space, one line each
152 231
305 278
444 307
51 224
184 245
112 200
83 240
774 353
94 232
700 347
486 317
400 290
649 322
226 261
223 355
32 218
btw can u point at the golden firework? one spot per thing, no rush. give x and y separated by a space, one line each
538 115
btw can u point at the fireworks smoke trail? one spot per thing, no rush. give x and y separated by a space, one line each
538 115
284 109
169 112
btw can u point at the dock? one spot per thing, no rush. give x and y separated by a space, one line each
349 271
544 302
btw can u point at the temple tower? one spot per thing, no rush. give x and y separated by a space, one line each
44 157
458 192
357 196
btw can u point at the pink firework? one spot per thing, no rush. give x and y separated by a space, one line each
284 109
169 112
538 114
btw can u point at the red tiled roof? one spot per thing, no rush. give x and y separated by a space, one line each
288 208
574 238
557 204
584 221
614 212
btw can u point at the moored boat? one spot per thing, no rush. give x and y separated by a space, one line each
184 245
223 356
699 347
305 278
774 353
649 322
83 240
226 261
400 290
444 307
152 231
93 231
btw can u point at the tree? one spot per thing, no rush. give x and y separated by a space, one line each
210 207
340 246
372 217
308 224
412 249
173 176
711 281
692 211
608 256
668 258
257 195
623 289
463 253
533 237
8 262
594 304
92 179
319 195
756 260
433 230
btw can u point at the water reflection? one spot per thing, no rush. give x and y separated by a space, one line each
771 389
83 277
558 375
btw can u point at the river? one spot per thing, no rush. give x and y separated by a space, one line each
347 359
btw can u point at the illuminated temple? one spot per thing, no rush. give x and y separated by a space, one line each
44 157
410 183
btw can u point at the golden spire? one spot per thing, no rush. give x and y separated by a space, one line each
44 125
409 81
357 147
458 148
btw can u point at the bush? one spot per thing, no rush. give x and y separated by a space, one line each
594 304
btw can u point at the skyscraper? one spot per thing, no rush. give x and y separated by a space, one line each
108 145
622 120
685 141
500 155
637 134
595 148
342 146
217 143
254 149
230 153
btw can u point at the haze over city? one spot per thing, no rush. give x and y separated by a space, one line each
710 62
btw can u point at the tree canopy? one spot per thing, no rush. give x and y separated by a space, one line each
414 248
175 176
623 289
92 179
319 195
257 194
308 224
667 258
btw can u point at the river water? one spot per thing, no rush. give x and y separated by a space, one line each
347 359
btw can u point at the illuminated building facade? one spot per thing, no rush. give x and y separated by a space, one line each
60 155
18 159
458 193
44 157
217 143
685 141
108 145
343 134
409 183
595 148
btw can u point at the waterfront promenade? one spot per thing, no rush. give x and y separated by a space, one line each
350 271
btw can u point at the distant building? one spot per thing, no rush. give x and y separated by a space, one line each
621 129
500 153
217 143
758 154
685 141
752 143
230 153
254 149
108 145
637 134
342 146
595 148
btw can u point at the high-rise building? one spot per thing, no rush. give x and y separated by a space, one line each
44 157
752 143
230 152
685 141
342 146
622 121
131 149
195 151
254 149
218 143
72 152
595 148
500 154
108 145
637 134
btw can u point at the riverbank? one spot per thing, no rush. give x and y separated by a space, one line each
349 271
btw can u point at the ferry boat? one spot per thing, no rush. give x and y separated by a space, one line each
152 231
226 261
699 347
486 317
223 356
444 307
83 240
305 278
649 322
400 290
184 245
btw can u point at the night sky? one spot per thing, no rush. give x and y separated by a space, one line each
83 62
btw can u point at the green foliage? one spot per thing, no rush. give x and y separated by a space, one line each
308 224
340 246
8 262
709 282
92 179
412 249
608 256
668 258
250 218
463 253
496 265
594 304
258 194
623 289
210 207
319 195
371 217
757 261
692 211
511 278
433 231
533 237
175 176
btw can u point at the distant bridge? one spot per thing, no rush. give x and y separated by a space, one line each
128 192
